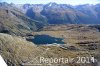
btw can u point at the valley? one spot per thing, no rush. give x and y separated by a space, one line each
31 31
79 41
82 40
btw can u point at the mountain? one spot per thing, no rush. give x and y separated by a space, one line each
54 13
21 19
91 13
60 13
13 21
34 12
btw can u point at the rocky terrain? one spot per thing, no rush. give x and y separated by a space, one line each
54 20
17 51
54 13
80 41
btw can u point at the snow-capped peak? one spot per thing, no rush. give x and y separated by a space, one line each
51 3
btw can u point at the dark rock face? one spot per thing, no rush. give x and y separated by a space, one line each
30 13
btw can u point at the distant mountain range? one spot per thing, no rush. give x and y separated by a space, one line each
54 13
25 18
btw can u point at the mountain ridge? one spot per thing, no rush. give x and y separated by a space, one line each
13 21
63 13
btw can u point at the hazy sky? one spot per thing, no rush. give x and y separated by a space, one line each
72 2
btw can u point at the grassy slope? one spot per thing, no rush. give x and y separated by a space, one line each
16 50
15 21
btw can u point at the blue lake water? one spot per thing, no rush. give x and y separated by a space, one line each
46 39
